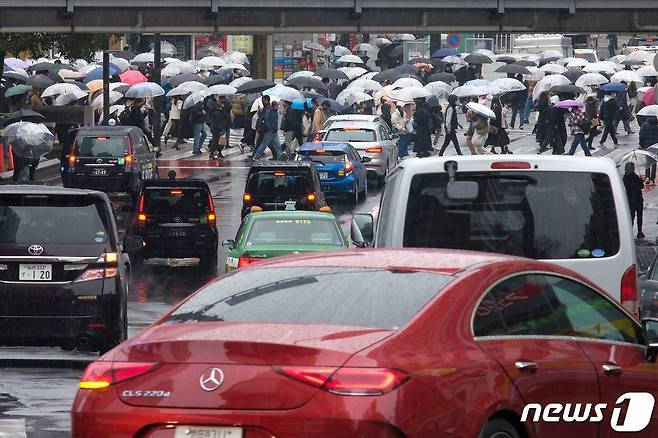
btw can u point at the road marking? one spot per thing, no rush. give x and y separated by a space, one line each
14 428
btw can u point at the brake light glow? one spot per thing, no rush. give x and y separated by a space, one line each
374 150
141 217
348 166
311 197
72 159
502 165
129 161
212 218
279 174
348 381
246 197
629 290
100 375
103 138
246 261
97 274
175 192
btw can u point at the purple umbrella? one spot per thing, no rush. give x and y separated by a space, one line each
569 103
16 63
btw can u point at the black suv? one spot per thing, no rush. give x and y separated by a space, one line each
63 276
175 219
277 185
110 159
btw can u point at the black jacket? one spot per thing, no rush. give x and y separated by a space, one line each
217 118
610 111
195 114
634 186
292 121
649 133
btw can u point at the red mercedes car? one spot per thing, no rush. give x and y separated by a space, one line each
377 344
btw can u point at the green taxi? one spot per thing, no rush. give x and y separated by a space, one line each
267 234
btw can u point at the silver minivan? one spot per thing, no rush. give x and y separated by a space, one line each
571 211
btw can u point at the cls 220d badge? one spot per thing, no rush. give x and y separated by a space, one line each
138 393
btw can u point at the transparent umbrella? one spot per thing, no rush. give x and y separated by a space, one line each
28 140
70 97
439 89
284 93
145 89
349 97
221 90
97 103
57 89
194 98
641 158
365 85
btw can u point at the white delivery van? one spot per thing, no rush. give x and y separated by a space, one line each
571 211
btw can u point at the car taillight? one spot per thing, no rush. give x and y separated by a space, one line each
502 165
212 217
629 290
347 381
311 197
246 197
246 260
99 375
348 166
129 161
72 161
141 218
374 150
97 274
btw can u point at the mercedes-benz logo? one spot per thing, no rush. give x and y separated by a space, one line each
211 379
35 250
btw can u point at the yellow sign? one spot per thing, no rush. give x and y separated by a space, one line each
242 43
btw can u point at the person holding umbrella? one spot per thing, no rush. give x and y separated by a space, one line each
634 186
451 125
609 114
497 135
578 124
319 117
649 137
197 119
268 127
292 128
219 122
422 122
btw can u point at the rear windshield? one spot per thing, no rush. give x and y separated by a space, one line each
280 182
312 295
540 215
324 156
173 201
586 56
294 231
102 146
29 219
348 135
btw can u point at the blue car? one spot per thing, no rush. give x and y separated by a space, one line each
341 168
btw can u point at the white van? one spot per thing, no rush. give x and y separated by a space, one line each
571 211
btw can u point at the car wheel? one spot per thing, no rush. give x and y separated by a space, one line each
499 428
364 193
354 198
121 334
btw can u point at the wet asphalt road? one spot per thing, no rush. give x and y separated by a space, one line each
35 402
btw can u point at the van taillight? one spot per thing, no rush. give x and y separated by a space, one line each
246 260
129 161
311 197
629 290
72 160
212 217
141 216
502 165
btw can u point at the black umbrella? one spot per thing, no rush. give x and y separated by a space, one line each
420 61
513 69
312 95
42 66
526 63
566 89
632 62
125 54
331 73
123 89
478 58
55 77
16 77
175 81
40 81
506 59
396 52
80 85
23 116
255 86
443 77
308 82
573 74
216 79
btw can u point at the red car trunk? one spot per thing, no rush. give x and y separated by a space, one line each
245 353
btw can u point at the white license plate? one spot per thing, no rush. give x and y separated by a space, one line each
99 172
35 272
177 233
207 432
324 175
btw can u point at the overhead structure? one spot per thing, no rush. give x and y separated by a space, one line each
292 16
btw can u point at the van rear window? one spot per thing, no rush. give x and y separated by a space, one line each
280 182
539 215
102 146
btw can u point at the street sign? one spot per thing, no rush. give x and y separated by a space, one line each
453 40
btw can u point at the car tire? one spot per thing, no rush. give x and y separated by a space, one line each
381 180
354 197
106 344
499 428
364 193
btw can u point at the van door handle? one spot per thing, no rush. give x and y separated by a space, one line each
523 365
612 369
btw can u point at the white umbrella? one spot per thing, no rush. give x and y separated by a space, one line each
553 68
240 81
387 91
70 97
353 72
627 76
480 109
258 103
235 57
145 89
646 71
439 89
221 90
97 103
618 59
455 60
300 73
118 109
193 99
67 74
409 94
408 82
602 67
115 85
549 54
284 93
404 37
350 97
649 110
364 47
590 79
212 61
535 74
341 51
347 59
577 63
192 86
381 42
239 67
29 140
143 58
57 89
468 91
123 64
547 83
509 84
370 75
641 55
171 60
365 85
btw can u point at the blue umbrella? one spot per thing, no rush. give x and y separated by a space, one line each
333 105
614 87
299 104
406 69
114 69
97 74
6 68
442 53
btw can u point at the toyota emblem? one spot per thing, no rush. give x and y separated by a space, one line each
211 379
177 219
99 160
35 250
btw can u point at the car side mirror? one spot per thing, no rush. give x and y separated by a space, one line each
366 159
361 233
650 327
229 243
133 244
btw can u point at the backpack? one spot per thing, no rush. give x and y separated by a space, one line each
261 126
